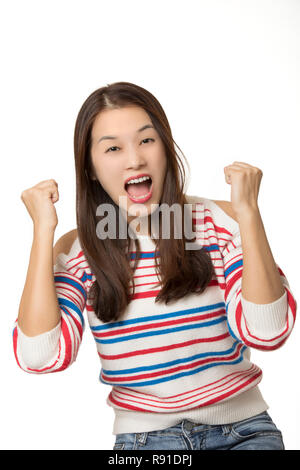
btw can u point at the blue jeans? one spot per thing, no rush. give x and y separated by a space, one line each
255 433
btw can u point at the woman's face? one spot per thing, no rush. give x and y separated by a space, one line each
122 149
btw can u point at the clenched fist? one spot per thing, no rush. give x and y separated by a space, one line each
39 201
245 182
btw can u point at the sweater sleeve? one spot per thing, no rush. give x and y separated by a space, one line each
261 326
57 349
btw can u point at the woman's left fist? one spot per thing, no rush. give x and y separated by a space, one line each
245 182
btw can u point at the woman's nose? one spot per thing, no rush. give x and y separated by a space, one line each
135 159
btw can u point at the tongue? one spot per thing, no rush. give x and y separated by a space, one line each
138 189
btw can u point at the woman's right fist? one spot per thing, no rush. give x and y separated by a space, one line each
39 202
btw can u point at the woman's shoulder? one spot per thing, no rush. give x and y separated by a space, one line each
68 255
226 207
65 243
221 211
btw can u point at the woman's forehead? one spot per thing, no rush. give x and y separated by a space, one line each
118 122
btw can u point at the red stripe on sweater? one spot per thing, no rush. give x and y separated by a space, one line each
164 348
233 375
233 381
160 324
175 369
214 400
15 342
250 343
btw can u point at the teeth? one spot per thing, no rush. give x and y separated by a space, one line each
139 180
139 197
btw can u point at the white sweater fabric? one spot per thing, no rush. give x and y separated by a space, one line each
163 363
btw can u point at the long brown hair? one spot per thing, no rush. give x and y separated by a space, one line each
180 271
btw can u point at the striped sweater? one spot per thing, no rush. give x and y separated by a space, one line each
189 359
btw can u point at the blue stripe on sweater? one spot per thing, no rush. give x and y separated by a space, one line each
149 255
71 282
231 268
158 317
172 363
160 332
152 254
85 276
177 376
71 305
211 247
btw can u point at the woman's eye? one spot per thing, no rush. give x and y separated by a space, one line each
111 148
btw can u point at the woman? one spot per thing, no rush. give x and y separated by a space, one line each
173 317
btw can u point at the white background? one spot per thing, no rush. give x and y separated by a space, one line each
227 76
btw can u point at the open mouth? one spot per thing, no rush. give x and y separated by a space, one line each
139 191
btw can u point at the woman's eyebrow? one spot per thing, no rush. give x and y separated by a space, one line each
147 126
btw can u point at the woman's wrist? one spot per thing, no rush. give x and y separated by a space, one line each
44 230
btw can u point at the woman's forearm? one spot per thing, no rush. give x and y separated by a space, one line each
39 309
261 281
